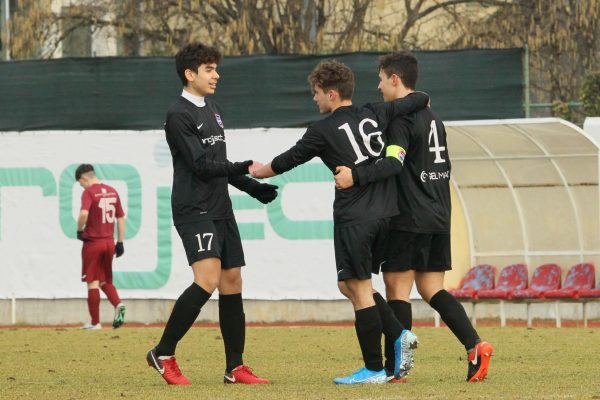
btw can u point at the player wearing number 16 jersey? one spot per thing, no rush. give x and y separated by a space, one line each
419 246
100 209
352 136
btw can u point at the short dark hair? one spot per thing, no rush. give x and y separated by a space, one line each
83 169
333 75
402 63
192 55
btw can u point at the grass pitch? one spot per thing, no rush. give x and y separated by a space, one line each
66 363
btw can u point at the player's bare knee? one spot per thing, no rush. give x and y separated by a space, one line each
427 292
230 283
344 290
208 283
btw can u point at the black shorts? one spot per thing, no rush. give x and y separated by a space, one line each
359 249
206 239
422 252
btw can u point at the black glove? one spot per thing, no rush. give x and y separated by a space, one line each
264 192
80 236
119 249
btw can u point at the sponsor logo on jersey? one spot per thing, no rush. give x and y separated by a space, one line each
213 139
434 175
219 121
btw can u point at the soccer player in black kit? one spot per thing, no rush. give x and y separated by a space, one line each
203 216
419 245
352 135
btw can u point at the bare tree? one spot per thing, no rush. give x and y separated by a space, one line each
153 27
563 37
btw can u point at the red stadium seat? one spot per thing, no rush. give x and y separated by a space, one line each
480 277
590 293
545 277
587 295
511 277
580 277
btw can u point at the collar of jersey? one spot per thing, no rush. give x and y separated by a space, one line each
198 101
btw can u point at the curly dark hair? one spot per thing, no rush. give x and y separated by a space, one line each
402 63
333 75
192 55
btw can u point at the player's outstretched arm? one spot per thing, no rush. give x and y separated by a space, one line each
263 192
266 171
385 112
182 133
414 102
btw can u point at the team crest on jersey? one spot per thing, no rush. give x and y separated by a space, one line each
219 121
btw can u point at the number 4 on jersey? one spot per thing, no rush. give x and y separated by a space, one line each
437 149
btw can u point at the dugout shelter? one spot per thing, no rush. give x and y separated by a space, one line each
524 191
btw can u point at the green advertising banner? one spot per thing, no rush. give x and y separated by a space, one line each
256 91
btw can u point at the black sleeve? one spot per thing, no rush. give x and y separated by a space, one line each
243 183
309 146
398 141
182 133
387 111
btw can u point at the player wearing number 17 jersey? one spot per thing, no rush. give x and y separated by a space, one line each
100 209
204 219
352 136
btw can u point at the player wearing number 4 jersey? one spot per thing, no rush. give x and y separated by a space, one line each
203 217
419 246
351 136
100 209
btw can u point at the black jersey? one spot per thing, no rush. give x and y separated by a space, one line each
416 145
196 138
352 136
424 184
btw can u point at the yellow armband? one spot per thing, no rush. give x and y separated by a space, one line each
397 152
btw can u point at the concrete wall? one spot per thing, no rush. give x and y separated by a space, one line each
74 311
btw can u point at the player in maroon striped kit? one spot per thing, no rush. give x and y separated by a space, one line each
100 209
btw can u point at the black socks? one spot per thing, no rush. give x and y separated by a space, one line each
368 330
186 310
233 328
402 311
453 314
392 329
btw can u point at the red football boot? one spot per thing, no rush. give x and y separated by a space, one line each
479 361
167 368
243 374
392 379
